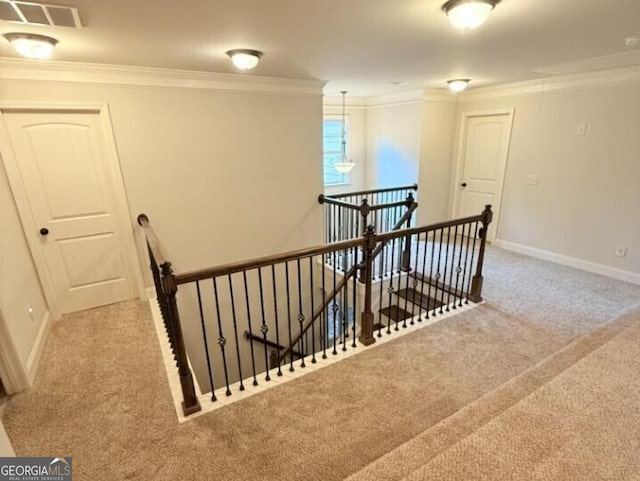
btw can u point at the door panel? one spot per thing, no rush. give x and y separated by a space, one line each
485 147
64 169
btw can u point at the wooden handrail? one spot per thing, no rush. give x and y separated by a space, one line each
428 228
399 224
374 191
266 261
152 240
323 199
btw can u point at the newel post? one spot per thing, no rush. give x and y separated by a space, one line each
476 283
190 402
366 326
365 210
406 253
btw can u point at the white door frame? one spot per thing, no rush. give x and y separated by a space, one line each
122 212
15 377
457 180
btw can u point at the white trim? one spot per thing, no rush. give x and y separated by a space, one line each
390 100
89 73
38 347
14 375
574 262
121 207
497 208
550 84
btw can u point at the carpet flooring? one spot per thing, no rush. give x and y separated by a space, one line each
101 395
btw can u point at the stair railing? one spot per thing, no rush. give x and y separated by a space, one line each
347 215
300 308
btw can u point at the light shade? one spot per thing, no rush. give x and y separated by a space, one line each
244 59
468 14
458 85
345 166
31 45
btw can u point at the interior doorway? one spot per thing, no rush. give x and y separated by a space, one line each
483 151
65 176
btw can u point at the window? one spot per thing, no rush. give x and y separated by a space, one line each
331 137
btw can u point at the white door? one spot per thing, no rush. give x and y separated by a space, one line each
483 159
63 165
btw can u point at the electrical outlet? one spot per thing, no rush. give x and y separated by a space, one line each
621 251
532 179
582 129
30 311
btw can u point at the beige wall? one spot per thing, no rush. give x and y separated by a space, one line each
393 144
223 176
19 284
587 200
436 154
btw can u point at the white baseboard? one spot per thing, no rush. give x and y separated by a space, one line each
574 262
38 347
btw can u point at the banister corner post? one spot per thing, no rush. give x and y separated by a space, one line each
365 210
476 283
406 252
366 327
190 402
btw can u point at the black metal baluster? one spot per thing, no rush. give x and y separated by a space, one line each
206 343
334 308
438 276
467 228
406 284
458 267
453 261
286 273
325 328
345 309
444 277
313 328
235 332
391 289
221 339
246 298
431 279
415 281
275 314
355 295
473 254
264 328
301 316
382 262
340 232
423 273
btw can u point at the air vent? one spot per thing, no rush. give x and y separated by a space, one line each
29 13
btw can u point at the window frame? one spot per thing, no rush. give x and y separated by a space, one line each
346 177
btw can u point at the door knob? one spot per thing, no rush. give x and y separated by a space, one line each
464 184
44 231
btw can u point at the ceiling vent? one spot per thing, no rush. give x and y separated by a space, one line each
29 13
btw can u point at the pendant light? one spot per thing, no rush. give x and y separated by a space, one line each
345 165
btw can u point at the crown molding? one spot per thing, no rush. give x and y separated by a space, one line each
440 95
550 84
400 98
124 75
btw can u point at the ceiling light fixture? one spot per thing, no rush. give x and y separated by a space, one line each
458 85
468 14
31 45
244 59
345 165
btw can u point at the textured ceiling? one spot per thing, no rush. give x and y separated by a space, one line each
360 45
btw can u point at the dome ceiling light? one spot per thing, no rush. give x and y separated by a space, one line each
30 45
458 85
468 14
244 59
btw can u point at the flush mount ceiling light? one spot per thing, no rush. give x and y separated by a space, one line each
244 59
345 165
31 45
468 14
458 85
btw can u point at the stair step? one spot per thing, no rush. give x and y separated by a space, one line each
419 299
395 313
437 284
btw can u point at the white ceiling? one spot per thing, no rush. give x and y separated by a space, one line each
358 45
